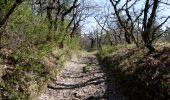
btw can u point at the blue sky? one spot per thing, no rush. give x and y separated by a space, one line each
91 23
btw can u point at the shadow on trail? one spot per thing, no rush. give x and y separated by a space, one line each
96 98
108 66
110 93
63 86
113 87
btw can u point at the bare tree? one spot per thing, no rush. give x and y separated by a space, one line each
92 38
80 14
149 16
102 28
129 23
57 11
148 21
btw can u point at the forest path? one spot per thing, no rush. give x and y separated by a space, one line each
82 79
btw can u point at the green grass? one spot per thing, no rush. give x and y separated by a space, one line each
87 68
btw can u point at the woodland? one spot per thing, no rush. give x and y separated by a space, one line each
128 40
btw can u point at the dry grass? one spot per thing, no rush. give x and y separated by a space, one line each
141 76
29 77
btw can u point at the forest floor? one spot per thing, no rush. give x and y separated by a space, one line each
83 78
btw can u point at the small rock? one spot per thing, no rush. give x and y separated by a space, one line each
77 95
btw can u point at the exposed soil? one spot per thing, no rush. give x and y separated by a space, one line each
75 84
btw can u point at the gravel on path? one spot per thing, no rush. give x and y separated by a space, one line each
74 84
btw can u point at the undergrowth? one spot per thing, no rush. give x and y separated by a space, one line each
140 76
87 68
26 74
28 61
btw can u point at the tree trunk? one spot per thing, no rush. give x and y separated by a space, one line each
148 42
3 21
147 25
6 17
150 48
128 38
92 43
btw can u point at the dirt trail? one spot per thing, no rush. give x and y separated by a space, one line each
74 84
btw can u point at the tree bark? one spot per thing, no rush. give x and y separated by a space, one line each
147 25
128 38
6 17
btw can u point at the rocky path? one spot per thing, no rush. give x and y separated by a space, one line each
82 79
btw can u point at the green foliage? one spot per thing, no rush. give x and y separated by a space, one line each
26 27
72 43
87 68
106 50
33 64
18 84
4 7
33 72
